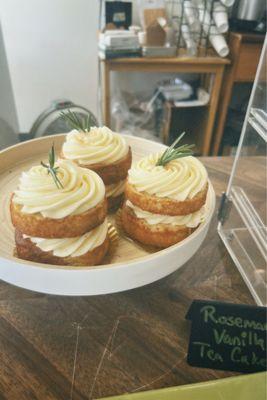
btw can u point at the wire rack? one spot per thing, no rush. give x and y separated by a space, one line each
193 38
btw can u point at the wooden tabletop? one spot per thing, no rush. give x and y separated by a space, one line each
169 60
249 37
81 348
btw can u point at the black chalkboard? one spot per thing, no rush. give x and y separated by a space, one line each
227 336
119 13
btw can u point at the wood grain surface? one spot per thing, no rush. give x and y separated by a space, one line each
89 347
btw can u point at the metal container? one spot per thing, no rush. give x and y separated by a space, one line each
249 10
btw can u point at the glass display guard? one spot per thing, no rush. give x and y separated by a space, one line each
242 218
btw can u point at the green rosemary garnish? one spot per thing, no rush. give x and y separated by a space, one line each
51 169
172 152
76 122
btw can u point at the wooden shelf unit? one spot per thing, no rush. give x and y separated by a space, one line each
206 66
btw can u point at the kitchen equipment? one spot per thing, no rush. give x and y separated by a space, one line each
246 14
175 89
132 265
50 122
198 26
216 39
220 17
218 42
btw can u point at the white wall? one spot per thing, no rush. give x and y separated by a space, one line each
8 116
51 48
7 103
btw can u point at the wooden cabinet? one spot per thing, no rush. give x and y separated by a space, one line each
211 69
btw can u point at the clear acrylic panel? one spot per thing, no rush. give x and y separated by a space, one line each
243 230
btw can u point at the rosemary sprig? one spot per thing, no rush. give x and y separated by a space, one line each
172 152
51 169
75 122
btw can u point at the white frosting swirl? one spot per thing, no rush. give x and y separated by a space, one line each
99 145
189 220
180 179
73 247
82 190
115 189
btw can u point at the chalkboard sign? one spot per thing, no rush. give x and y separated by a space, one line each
227 336
119 13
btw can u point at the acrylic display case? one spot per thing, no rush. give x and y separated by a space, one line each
242 215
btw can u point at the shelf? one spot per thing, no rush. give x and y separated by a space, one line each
251 218
168 60
237 242
258 121
258 128
211 69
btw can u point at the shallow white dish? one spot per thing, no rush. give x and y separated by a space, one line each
126 272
